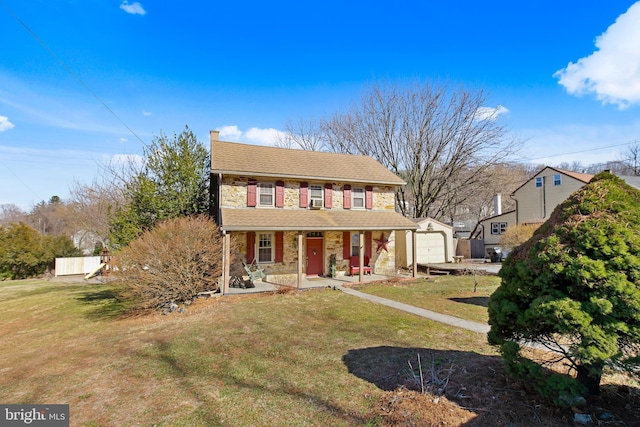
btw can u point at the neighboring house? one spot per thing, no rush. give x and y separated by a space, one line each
293 211
434 243
535 201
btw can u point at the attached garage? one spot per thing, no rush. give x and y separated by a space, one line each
434 244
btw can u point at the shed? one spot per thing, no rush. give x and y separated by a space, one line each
434 243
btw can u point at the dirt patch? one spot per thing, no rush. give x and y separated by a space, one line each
453 388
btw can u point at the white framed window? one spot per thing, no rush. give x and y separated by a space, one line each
316 193
355 244
266 194
498 227
357 198
557 179
265 247
539 182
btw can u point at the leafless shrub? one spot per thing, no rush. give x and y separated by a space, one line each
171 263
432 379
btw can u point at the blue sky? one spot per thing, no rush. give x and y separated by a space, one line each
567 74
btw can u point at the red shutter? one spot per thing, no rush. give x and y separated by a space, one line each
252 188
251 246
279 246
368 199
328 196
279 194
304 194
347 197
367 244
346 245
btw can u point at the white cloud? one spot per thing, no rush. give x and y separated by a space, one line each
134 8
123 140
146 113
267 136
230 132
612 72
490 113
5 124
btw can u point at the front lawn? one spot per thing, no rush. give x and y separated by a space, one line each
310 358
452 295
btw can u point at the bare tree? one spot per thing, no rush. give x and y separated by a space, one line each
11 214
442 142
302 134
631 160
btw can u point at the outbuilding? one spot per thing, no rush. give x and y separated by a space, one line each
434 243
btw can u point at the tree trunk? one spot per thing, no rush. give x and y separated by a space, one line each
589 376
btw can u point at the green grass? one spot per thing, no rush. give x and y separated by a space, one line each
312 358
452 295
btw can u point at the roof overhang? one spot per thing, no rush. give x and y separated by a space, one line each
252 219
305 177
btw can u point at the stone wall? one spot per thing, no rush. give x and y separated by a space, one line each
382 262
234 194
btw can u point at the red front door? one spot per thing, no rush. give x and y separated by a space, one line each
314 257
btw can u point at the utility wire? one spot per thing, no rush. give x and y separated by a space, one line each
582 151
69 70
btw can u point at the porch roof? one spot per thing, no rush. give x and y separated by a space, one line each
234 219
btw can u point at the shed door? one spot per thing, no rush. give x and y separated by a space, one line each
430 248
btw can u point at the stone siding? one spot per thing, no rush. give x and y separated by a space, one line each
234 194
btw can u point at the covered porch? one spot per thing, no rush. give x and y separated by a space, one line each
344 237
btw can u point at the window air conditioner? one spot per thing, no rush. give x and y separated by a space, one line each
316 203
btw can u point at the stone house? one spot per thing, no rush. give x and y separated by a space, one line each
303 213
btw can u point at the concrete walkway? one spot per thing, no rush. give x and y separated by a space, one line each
432 315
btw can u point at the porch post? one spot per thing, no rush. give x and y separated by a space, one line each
361 256
414 253
226 259
300 259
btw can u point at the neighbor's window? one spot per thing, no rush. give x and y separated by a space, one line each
355 244
357 195
265 247
539 182
266 194
557 179
498 227
316 193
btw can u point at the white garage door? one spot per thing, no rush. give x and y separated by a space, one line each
430 248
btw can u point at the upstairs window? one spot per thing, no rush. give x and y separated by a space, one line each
557 179
357 195
539 182
498 227
265 194
316 194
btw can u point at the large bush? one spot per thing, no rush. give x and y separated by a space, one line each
516 235
574 288
173 262
24 252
